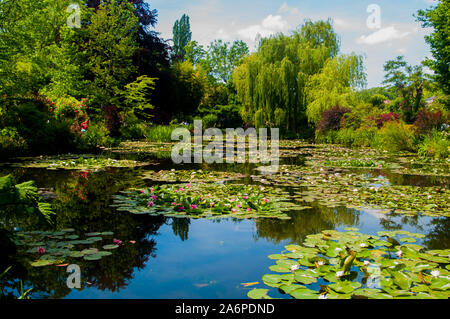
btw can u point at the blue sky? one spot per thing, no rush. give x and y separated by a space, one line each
397 34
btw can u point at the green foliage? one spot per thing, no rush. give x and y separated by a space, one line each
210 120
96 135
136 95
300 74
410 82
377 100
438 18
110 41
394 137
181 36
190 85
22 199
11 143
133 128
436 145
160 133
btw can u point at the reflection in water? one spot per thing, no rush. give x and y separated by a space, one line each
226 252
305 223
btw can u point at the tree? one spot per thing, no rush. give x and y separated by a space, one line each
181 36
289 75
438 17
110 43
223 57
410 82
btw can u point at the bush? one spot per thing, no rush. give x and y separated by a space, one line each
363 115
133 129
96 136
382 119
435 145
332 119
210 120
394 136
11 143
377 100
427 121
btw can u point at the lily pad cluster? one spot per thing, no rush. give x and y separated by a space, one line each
207 200
336 187
191 176
45 248
80 163
351 265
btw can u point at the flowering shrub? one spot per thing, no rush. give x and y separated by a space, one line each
427 120
389 117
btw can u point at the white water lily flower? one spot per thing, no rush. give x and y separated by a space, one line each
339 274
366 263
435 273
294 267
321 263
399 253
362 245
323 297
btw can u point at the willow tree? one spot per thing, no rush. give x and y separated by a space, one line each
273 84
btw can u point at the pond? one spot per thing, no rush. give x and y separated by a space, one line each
178 257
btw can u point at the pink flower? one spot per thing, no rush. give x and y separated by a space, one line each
194 206
238 206
142 192
41 251
154 197
181 189
249 209
212 204
151 204
266 200
117 242
245 197
152 189
181 208
233 210
174 204
188 185
176 191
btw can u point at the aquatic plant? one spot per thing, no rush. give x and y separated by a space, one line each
344 265
207 201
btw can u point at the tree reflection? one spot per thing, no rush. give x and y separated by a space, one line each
180 227
305 222
83 203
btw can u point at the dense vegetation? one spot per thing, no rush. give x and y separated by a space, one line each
72 82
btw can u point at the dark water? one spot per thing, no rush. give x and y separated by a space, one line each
182 258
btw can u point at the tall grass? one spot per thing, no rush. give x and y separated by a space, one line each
160 133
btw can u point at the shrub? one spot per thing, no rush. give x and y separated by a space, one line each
394 136
363 115
96 136
11 143
427 121
133 128
435 145
209 121
113 120
332 118
389 117
356 138
377 100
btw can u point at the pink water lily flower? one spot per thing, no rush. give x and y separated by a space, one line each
174 204
181 208
117 242
154 197
142 191
245 197
151 204
238 206
249 209
41 251
181 189
194 206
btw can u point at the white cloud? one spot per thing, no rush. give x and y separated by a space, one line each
270 25
383 35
